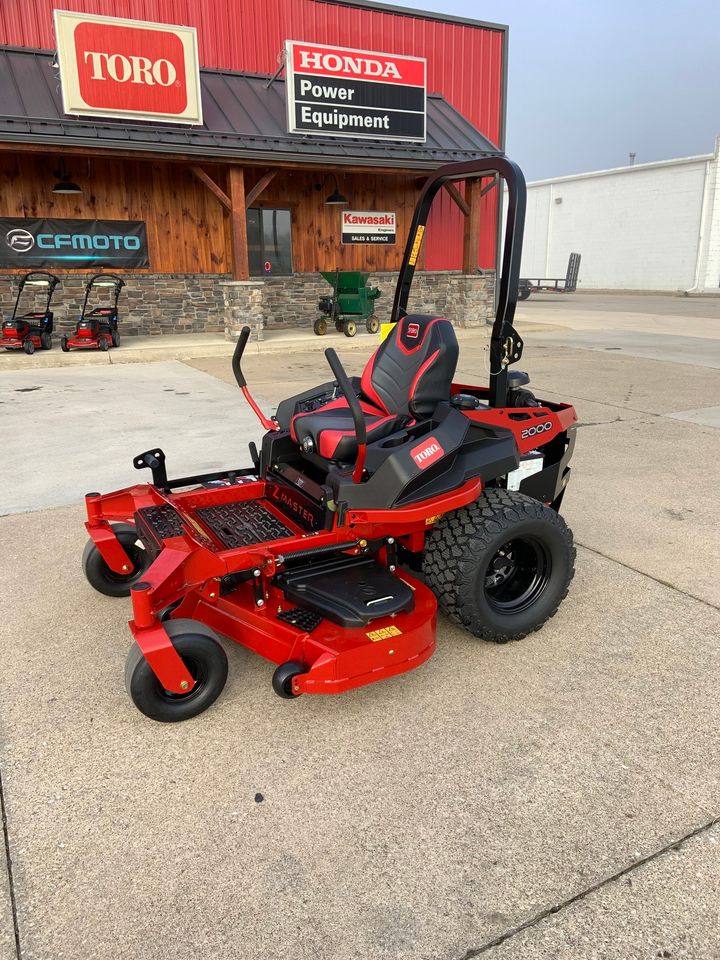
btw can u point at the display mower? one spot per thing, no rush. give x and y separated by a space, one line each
372 500
97 329
32 330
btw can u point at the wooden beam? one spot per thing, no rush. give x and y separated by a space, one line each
471 238
258 188
457 197
493 183
238 223
212 186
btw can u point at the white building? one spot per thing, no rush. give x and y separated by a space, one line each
651 226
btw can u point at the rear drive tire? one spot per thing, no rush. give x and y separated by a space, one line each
29 347
320 327
203 656
64 345
99 574
46 341
350 328
282 679
115 336
500 566
372 324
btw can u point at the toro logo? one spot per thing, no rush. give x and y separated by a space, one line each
413 330
427 452
115 67
129 68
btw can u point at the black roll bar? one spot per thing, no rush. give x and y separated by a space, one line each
505 344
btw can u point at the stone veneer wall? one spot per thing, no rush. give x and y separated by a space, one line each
211 303
149 303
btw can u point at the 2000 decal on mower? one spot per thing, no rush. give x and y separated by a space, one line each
311 556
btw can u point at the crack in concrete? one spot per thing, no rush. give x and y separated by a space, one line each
582 894
8 860
644 573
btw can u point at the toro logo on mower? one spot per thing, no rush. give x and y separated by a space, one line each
427 452
413 330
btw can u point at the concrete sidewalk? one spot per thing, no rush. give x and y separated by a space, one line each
553 799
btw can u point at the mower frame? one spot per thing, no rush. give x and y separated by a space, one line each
98 329
38 334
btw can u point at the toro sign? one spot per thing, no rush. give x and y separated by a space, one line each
128 68
342 92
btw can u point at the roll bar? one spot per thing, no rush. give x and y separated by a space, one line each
505 344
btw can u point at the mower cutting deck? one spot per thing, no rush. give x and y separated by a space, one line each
311 556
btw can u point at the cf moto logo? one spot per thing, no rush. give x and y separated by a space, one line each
115 66
427 452
19 241
538 428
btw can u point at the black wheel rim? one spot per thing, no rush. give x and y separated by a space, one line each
136 555
517 575
198 671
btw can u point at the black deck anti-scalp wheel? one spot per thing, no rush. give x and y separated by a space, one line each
99 574
500 566
282 679
205 660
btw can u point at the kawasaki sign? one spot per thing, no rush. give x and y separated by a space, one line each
73 243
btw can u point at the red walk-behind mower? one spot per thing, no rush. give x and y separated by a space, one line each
97 329
372 500
32 330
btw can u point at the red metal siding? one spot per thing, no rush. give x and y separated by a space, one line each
464 62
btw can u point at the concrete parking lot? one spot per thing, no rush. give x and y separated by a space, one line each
554 798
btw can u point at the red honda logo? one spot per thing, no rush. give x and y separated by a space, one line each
413 330
130 68
427 452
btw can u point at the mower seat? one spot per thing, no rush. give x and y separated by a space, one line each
404 380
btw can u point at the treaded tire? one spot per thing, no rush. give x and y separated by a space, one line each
205 658
461 551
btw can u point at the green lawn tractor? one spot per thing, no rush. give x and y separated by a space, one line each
352 300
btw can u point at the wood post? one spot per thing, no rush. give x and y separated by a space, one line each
238 223
259 187
471 238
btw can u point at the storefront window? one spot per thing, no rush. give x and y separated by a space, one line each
269 242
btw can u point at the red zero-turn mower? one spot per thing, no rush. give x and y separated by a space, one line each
372 500
32 330
97 329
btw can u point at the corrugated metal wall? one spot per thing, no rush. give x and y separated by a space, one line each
464 62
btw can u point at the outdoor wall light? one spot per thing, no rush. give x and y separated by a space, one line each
336 198
64 183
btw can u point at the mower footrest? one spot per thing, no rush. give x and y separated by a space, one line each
242 524
350 592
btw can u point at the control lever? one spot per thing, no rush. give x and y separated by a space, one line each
355 409
242 383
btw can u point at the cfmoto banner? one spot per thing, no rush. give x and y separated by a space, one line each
32 243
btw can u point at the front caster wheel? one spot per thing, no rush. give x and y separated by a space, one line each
100 575
500 566
29 347
64 345
205 660
103 345
282 680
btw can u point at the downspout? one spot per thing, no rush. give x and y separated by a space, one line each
706 219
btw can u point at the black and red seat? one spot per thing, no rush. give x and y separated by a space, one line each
404 380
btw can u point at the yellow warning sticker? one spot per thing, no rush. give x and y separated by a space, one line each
384 633
417 243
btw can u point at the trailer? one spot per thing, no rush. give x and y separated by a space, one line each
566 284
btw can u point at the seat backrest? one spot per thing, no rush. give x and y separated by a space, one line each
412 370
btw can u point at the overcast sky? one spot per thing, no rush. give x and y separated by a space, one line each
590 82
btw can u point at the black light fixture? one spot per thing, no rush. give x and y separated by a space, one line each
64 183
336 198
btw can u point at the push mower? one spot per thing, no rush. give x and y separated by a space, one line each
372 500
97 328
29 331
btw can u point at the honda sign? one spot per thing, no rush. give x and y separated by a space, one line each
128 68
